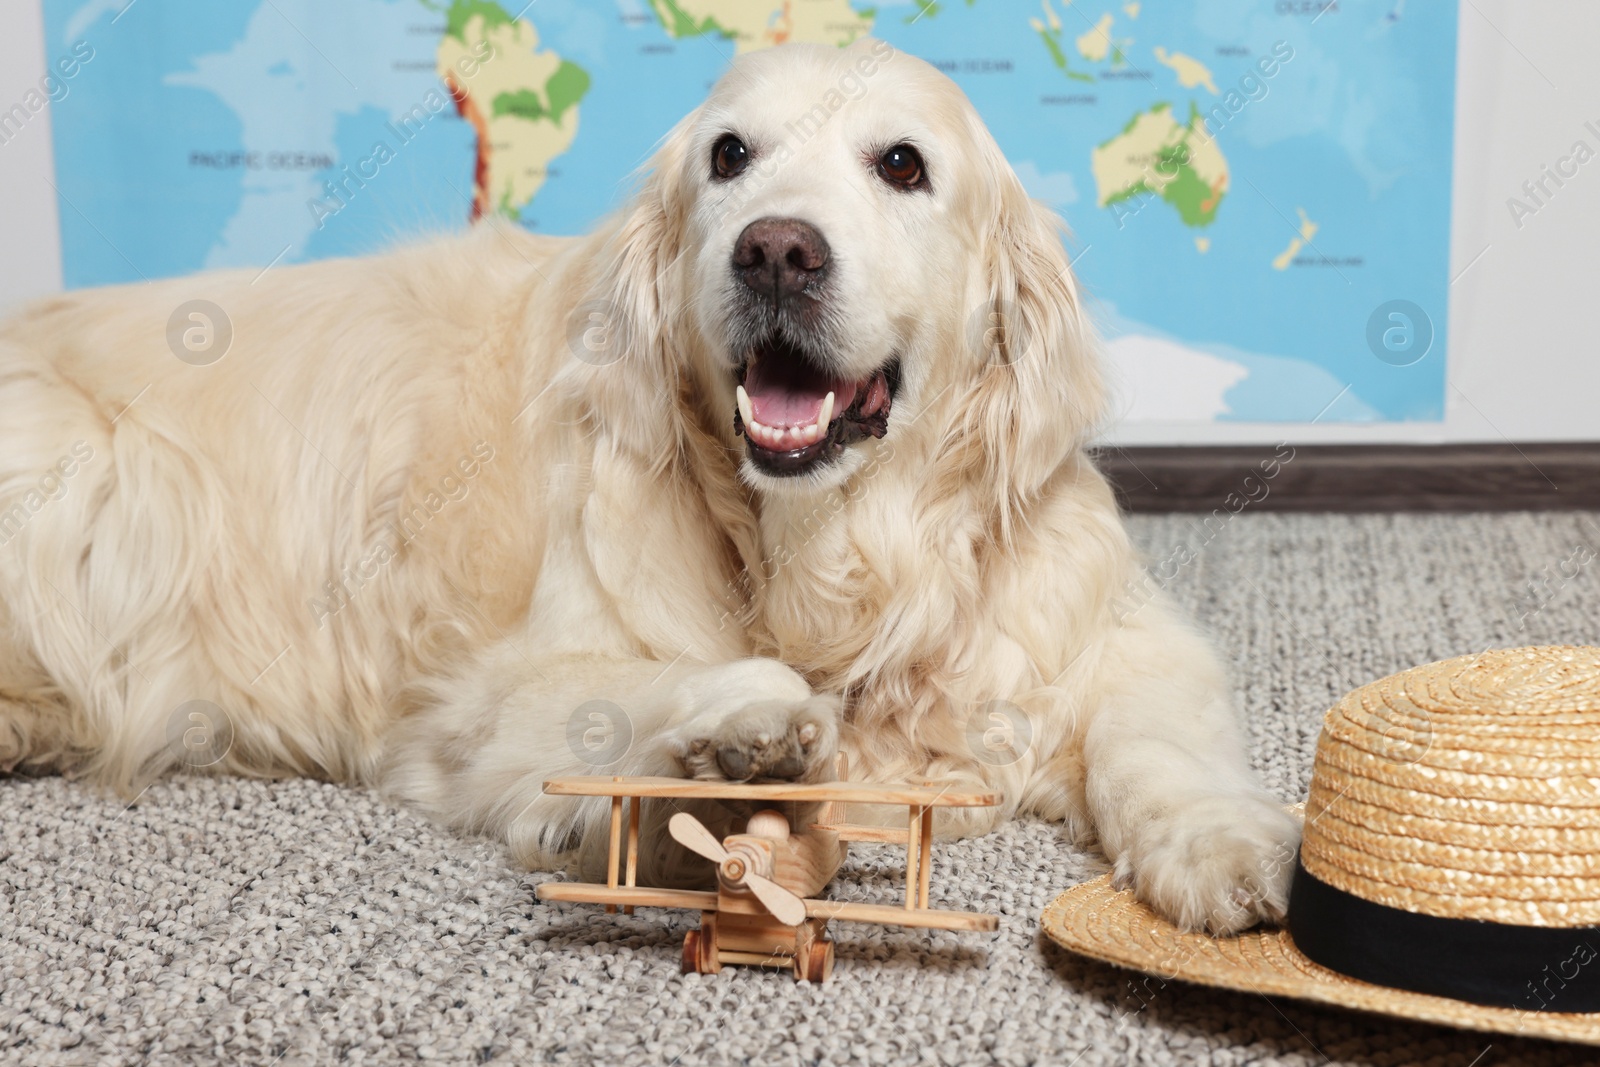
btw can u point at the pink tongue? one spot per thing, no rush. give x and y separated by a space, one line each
782 400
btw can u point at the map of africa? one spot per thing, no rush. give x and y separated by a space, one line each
1249 183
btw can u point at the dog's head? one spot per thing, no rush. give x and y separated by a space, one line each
833 247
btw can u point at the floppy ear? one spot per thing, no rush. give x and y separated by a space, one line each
624 333
1038 395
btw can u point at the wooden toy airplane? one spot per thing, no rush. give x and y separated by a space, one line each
764 911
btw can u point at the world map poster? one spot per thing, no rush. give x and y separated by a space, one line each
1258 191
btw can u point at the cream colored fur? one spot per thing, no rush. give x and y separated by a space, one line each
585 527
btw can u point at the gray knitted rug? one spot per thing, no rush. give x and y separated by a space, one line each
228 921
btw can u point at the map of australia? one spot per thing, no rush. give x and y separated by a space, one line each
1156 155
1245 181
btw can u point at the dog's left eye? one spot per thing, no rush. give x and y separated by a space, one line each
729 157
902 166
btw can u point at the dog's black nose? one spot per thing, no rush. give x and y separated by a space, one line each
778 258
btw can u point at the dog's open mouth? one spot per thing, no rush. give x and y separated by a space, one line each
796 415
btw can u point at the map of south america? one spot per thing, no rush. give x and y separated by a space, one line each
523 102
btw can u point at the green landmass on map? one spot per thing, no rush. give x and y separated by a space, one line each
679 23
564 89
1052 41
1154 154
460 13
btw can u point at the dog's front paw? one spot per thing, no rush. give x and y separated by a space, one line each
1221 864
772 740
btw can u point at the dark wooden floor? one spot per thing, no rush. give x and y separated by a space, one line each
1286 477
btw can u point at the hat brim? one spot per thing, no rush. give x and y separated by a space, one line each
1111 925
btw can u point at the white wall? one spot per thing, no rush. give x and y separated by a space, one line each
30 237
1526 316
1524 362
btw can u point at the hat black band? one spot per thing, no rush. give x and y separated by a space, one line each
1529 968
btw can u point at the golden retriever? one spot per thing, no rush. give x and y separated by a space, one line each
787 456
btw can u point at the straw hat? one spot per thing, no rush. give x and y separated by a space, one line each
1450 869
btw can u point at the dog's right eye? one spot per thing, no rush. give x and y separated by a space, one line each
729 157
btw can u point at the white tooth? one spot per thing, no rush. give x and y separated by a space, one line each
745 410
813 434
826 415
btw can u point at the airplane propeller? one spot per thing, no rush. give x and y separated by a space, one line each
737 869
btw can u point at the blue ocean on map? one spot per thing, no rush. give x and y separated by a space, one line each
249 135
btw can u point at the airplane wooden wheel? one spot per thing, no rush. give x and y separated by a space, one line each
691 952
700 948
814 963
